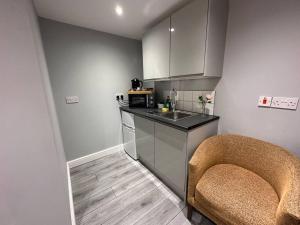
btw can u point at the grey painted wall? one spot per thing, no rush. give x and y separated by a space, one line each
261 58
94 66
33 182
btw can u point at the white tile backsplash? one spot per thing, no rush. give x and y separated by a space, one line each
189 101
166 94
196 95
188 96
197 107
188 106
179 105
180 95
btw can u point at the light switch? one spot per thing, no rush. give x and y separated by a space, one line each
264 101
285 103
72 99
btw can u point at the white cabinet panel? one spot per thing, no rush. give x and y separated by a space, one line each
188 40
145 140
156 51
128 119
166 150
129 141
170 154
216 37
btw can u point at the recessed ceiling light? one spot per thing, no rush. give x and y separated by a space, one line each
172 29
119 10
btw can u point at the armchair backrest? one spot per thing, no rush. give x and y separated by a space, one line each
271 162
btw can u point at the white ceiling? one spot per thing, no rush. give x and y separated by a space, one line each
100 15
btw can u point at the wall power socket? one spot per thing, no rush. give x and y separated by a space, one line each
72 99
119 96
278 102
285 103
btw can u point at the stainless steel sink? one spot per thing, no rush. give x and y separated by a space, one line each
177 115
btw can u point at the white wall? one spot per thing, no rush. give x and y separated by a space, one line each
94 66
33 183
262 58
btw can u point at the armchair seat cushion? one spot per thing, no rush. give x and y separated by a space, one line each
237 194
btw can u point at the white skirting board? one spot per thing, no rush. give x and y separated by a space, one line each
96 155
71 197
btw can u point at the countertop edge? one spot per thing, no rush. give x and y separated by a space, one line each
165 122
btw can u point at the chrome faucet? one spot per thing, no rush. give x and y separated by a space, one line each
173 94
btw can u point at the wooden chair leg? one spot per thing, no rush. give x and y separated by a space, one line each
189 211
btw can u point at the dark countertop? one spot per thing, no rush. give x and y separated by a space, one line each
184 124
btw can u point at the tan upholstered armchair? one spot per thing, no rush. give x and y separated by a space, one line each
238 180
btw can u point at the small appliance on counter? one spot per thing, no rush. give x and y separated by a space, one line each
141 98
136 84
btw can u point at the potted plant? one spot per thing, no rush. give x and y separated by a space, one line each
203 100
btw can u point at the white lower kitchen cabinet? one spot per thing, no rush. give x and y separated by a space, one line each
166 150
144 131
170 155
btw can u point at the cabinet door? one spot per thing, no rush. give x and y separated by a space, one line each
144 134
156 51
170 154
188 39
129 141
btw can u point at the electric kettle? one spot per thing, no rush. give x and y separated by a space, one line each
136 84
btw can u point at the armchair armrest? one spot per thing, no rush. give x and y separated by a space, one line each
208 154
288 212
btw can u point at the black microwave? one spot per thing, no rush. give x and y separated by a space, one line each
141 99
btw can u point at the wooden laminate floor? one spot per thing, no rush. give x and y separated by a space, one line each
118 190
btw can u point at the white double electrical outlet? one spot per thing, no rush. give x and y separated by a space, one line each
72 99
284 103
119 96
278 102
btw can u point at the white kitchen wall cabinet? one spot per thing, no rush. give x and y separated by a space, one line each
156 51
196 45
188 39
